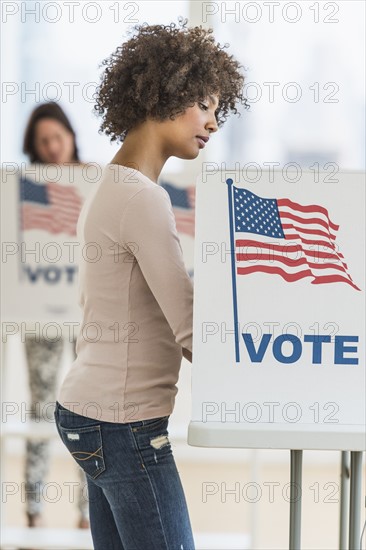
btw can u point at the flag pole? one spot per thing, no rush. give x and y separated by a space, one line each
230 182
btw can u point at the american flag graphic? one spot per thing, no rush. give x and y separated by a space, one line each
262 226
49 206
183 202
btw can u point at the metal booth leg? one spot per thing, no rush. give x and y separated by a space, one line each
344 504
355 500
295 499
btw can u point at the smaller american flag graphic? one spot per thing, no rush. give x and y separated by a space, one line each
282 237
183 203
49 206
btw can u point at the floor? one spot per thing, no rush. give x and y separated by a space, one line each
221 498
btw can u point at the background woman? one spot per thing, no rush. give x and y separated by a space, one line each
49 138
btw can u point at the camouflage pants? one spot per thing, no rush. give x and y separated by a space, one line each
44 362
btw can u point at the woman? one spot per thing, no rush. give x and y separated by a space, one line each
163 93
49 138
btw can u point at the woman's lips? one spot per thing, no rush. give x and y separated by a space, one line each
201 143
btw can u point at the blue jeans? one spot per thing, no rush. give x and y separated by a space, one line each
136 499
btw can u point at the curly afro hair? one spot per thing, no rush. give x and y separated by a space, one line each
160 72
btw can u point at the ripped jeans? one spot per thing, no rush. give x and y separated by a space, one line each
136 499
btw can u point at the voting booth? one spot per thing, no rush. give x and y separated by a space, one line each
40 208
279 318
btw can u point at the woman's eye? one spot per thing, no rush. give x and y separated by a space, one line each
205 107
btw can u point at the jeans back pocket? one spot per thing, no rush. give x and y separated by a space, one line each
86 447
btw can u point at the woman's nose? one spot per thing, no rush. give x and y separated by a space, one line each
212 125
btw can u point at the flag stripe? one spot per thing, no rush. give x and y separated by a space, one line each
288 261
308 231
334 279
292 277
306 221
311 242
283 249
307 209
292 268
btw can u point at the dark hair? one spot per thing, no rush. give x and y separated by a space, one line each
45 110
160 72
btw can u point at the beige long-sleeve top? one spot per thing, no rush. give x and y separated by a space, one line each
137 302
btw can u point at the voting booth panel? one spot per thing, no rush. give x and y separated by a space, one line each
279 311
40 206
40 209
